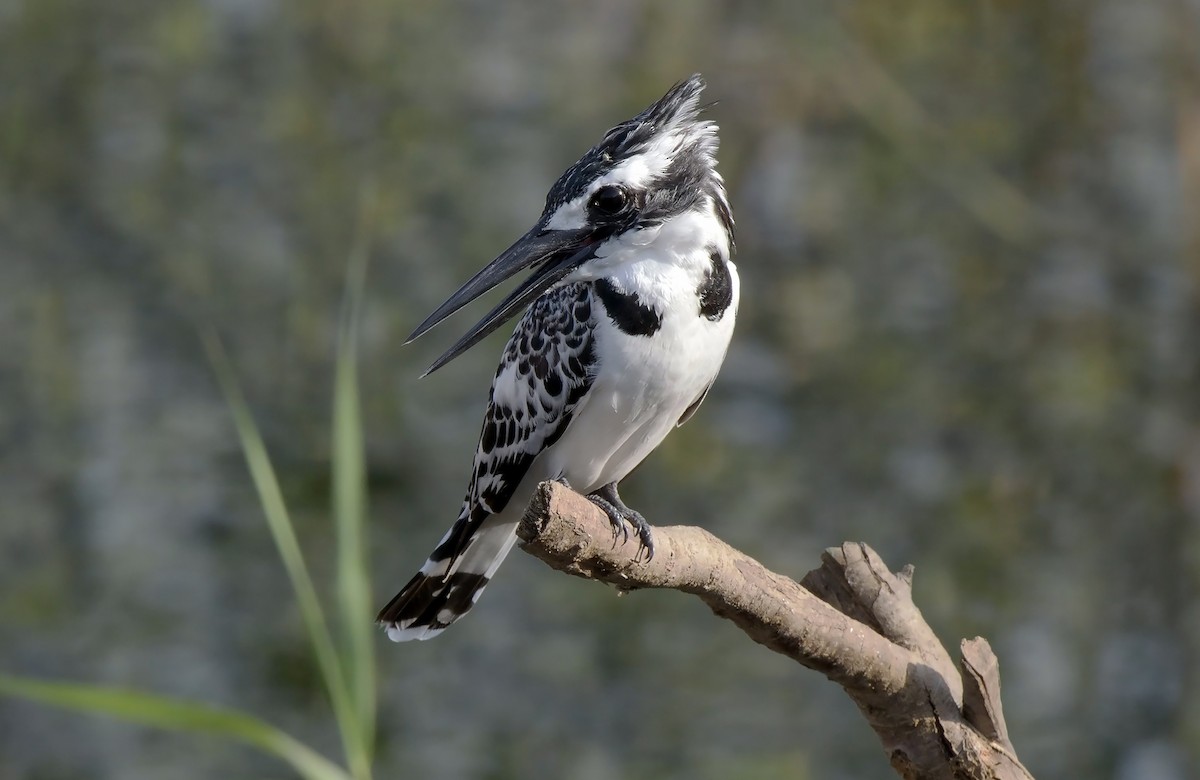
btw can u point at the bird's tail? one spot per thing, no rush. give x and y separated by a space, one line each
448 585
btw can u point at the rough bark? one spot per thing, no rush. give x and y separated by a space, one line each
852 619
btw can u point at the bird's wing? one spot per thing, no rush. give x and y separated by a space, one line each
546 370
691 410
545 373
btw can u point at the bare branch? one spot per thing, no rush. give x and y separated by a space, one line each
852 619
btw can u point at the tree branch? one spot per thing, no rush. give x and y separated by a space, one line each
852 619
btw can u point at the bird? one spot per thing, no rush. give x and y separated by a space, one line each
628 312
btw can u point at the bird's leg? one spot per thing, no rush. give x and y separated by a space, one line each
622 517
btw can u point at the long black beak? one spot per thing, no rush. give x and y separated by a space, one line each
554 253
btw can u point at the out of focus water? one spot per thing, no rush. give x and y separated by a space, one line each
970 251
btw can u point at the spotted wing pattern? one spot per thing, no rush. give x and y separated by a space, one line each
546 370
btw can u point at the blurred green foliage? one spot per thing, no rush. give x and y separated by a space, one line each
970 261
347 664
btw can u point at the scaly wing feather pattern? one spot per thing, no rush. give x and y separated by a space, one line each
547 369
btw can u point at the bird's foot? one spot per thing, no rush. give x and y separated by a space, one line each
623 518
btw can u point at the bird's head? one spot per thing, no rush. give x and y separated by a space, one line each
645 172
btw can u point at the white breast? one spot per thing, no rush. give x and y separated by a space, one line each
643 384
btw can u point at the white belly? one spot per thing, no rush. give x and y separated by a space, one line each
643 386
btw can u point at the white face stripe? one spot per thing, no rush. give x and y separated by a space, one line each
570 215
636 172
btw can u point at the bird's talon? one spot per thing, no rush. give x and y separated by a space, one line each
622 519
647 543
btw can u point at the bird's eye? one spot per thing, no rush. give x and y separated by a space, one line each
609 201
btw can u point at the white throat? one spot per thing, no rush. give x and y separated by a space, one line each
661 263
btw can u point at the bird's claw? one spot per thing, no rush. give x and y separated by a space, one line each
622 518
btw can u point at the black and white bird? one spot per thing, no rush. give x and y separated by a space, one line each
631 305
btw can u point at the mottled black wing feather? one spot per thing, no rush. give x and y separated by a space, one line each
547 368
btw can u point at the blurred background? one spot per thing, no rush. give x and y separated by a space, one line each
969 241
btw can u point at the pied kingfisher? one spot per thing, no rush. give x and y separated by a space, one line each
631 305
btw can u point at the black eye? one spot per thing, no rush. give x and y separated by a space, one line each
608 201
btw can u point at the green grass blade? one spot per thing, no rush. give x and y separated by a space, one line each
284 534
350 495
178 715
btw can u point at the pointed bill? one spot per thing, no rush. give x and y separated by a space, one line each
552 253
